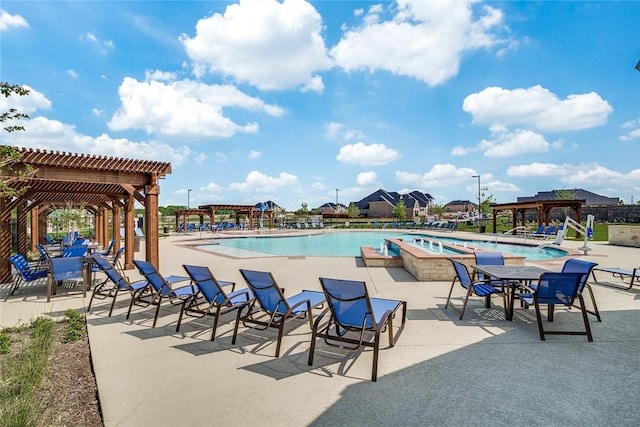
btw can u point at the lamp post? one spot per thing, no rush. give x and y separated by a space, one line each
337 199
188 194
479 217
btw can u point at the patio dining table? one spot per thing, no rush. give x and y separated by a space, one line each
510 274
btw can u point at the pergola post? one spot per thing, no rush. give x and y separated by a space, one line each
21 217
151 193
5 240
128 232
115 225
35 229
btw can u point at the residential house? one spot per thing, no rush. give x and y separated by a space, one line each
381 204
460 206
591 199
332 209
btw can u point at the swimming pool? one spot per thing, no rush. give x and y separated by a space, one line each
348 244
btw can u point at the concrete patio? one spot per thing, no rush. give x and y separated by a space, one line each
482 370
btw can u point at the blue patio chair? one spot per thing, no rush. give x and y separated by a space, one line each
161 289
107 251
488 258
270 308
482 288
114 283
557 289
573 265
74 251
25 273
353 314
49 240
66 269
212 300
115 263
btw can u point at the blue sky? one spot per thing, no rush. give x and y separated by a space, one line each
288 101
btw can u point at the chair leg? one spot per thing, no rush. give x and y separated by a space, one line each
585 317
235 329
376 351
595 311
539 319
113 303
450 291
182 308
215 324
280 333
155 318
550 315
466 300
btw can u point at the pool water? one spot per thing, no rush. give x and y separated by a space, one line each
349 243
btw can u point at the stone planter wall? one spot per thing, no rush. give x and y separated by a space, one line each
624 235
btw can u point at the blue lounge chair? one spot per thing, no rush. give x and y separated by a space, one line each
557 289
627 276
26 273
161 289
353 314
270 308
482 288
114 283
107 251
212 299
538 232
74 251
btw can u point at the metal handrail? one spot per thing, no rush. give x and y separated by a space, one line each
520 227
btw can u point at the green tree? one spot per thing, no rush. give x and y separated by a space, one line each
400 210
10 174
304 209
437 210
486 200
353 211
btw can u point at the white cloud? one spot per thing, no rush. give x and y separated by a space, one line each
593 176
97 112
212 186
536 107
220 157
509 144
366 178
53 135
253 154
266 43
424 39
367 155
258 181
633 133
160 75
8 21
72 73
335 130
184 108
25 104
102 47
440 175
460 151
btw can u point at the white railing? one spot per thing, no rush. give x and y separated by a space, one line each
520 227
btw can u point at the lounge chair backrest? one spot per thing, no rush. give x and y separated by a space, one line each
266 290
550 230
558 288
462 273
153 277
540 229
207 283
21 265
107 268
349 302
44 256
573 265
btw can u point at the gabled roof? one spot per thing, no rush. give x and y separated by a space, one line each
411 199
578 193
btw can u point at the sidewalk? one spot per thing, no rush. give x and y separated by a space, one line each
479 371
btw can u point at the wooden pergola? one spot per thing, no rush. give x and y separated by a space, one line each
106 187
251 211
542 207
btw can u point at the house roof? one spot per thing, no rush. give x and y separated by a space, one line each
578 193
411 199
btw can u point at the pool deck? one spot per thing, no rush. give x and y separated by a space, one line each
482 370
